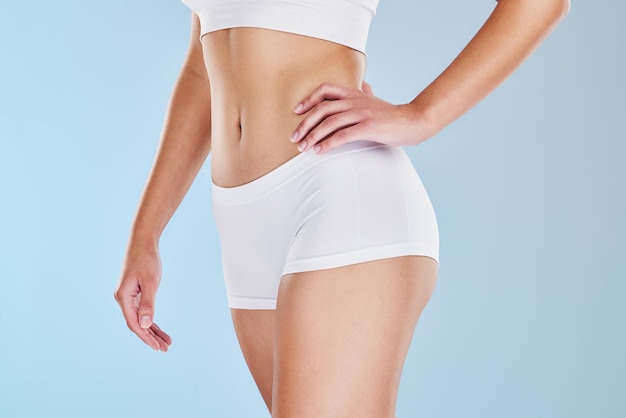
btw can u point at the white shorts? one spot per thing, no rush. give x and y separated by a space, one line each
360 202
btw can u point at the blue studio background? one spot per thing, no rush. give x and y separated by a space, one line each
528 318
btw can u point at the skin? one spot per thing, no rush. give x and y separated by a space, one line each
336 343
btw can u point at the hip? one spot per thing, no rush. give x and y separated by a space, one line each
361 198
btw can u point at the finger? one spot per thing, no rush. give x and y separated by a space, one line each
130 314
332 125
145 309
163 345
162 334
350 134
325 91
316 116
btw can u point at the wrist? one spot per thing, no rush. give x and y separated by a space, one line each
143 240
422 121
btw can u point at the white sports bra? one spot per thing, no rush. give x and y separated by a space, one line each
345 22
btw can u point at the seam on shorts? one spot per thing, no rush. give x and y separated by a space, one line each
362 255
403 183
358 203
246 302
247 193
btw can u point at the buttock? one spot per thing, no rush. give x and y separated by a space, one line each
360 202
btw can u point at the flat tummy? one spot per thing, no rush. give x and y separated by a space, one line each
257 77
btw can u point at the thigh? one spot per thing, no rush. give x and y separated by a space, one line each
255 332
342 336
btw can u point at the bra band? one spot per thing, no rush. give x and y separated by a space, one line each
345 22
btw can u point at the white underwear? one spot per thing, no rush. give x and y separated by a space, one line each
360 202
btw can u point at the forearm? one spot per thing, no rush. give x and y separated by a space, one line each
184 146
512 32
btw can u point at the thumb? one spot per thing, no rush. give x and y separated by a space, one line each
367 89
145 311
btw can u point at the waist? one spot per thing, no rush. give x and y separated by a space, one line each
286 173
257 77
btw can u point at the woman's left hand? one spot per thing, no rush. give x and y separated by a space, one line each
338 115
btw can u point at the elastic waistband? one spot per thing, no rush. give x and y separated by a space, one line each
265 184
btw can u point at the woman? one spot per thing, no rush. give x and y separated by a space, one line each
329 241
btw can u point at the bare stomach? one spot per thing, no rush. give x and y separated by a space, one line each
257 77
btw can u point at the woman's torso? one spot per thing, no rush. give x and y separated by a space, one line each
257 77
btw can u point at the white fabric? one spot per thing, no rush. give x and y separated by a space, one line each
360 202
345 22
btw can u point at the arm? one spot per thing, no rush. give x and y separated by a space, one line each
514 29
512 32
184 146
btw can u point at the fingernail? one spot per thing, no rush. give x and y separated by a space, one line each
145 322
317 149
298 108
294 136
301 146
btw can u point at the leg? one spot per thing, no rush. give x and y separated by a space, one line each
255 332
342 336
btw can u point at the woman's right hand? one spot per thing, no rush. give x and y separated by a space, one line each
136 293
